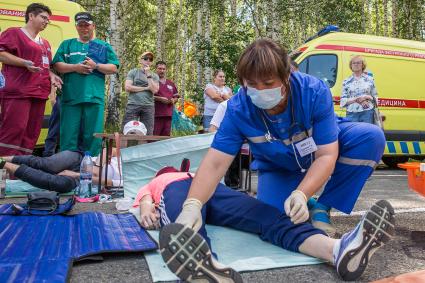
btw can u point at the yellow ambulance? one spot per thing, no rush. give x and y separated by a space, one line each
398 67
62 26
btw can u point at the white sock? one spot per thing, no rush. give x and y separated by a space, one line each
336 250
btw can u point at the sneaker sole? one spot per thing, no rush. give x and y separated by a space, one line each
188 255
378 229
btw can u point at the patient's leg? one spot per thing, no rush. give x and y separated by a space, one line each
351 253
240 211
41 179
320 246
64 160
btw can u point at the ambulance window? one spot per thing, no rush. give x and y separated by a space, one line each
323 66
303 66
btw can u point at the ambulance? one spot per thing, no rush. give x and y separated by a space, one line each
398 68
61 27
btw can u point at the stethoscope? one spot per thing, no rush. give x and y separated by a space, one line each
293 126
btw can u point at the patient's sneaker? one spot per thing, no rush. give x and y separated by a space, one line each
353 251
187 254
320 218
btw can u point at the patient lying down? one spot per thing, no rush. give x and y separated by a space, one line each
161 201
59 172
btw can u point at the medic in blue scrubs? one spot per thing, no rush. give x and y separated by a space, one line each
298 143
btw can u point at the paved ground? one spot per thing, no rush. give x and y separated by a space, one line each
399 256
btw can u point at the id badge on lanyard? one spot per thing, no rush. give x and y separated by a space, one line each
45 64
306 146
45 61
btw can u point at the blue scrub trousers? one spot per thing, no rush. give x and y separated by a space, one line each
237 210
360 148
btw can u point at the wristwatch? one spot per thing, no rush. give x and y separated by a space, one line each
2 163
97 66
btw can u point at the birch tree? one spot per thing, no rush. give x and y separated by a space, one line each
385 5
113 109
199 38
160 18
394 12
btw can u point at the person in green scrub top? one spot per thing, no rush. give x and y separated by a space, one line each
83 62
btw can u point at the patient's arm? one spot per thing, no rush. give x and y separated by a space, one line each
76 175
148 214
70 173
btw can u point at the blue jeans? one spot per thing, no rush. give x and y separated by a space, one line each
206 121
42 172
54 129
237 210
364 116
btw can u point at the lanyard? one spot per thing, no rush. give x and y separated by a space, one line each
269 137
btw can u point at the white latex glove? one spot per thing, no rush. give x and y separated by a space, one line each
296 207
191 215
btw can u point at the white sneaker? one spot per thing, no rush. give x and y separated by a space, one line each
352 253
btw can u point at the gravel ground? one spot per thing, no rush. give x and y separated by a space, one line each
401 255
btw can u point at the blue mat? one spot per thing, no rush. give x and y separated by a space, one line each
240 250
42 248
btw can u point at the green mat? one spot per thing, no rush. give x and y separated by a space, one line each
18 188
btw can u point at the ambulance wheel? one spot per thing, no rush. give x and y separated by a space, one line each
393 161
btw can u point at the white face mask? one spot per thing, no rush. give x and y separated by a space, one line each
266 98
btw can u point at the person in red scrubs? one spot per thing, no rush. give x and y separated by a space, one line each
25 58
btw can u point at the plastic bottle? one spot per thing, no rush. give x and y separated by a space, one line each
86 176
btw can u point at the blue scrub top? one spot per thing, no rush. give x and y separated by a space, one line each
313 113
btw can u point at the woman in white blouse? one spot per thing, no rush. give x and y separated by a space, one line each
359 93
214 94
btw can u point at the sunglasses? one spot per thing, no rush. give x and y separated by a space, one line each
148 59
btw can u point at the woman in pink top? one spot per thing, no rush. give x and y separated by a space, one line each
188 254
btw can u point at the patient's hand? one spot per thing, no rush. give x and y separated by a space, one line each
149 216
69 173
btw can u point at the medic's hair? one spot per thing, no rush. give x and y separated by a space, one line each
263 59
35 9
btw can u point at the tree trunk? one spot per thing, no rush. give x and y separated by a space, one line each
233 7
177 58
113 113
385 4
364 11
207 37
394 12
257 18
199 36
367 17
160 18
377 18
182 89
272 20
